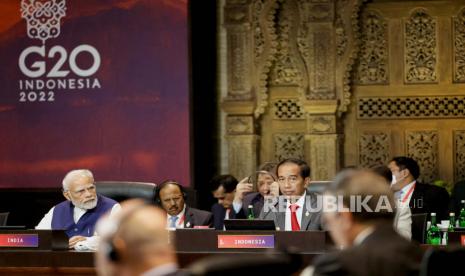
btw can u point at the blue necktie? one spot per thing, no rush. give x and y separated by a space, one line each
173 221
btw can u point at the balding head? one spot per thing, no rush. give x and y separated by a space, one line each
139 237
367 200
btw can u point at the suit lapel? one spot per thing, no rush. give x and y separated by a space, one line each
305 215
188 218
281 219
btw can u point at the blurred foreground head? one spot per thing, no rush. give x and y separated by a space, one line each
355 201
135 241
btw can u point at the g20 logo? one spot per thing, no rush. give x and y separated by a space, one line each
41 67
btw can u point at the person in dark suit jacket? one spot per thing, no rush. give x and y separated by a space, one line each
170 195
294 215
224 189
370 244
422 198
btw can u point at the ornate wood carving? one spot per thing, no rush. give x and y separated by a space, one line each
239 125
411 107
372 64
420 48
322 124
265 49
348 12
459 154
323 156
459 47
287 109
284 70
239 77
423 147
374 148
242 154
289 145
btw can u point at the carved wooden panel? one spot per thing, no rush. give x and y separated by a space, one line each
323 157
239 73
459 46
242 154
287 109
289 145
239 125
411 107
319 124
423 147
285 71
372 64
459 154
374 148
420 48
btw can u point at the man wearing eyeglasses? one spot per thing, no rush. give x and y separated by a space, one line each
79 213
301 212
264 182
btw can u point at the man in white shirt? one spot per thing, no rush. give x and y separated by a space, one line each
79 213
301 212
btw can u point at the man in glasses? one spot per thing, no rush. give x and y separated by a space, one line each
300 212
253 189
78 214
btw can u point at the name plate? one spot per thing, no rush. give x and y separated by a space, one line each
245 241
19 240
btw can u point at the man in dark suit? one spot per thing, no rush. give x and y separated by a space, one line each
422 198
299 211
224 189
170 195
370 244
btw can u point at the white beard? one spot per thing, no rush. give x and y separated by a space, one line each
86 205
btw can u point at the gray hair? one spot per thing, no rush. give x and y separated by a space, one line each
76 174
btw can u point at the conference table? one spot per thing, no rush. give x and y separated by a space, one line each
50 255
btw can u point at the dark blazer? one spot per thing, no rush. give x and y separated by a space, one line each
219 212
254 199
196 217
382 253
430 199
310 220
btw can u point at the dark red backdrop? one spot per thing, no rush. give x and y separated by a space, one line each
136 127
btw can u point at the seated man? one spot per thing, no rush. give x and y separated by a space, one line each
422 198
403 217
223 188
360 219
170 195
78 214
266 185
135 242
301 212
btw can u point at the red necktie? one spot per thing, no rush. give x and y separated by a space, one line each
294 222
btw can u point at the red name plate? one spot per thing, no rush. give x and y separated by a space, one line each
19 240
462 239
245 241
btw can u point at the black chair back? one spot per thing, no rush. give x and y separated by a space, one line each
3 218
419 227
444 261
122 190
317 186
